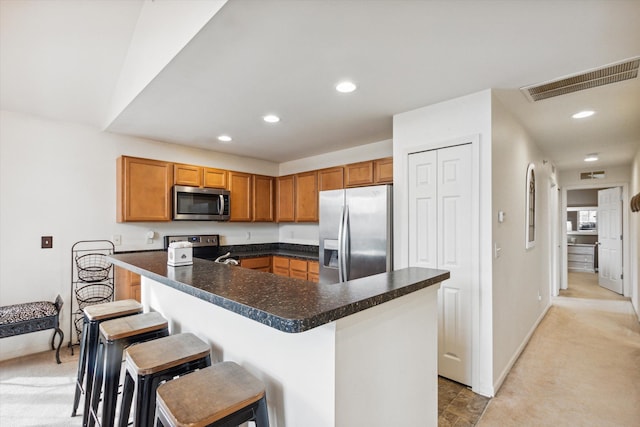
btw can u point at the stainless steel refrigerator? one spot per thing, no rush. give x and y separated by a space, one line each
356 233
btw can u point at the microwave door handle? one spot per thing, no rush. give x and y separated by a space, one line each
220 205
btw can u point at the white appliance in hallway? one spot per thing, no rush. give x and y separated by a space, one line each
440 207
610 239
356 230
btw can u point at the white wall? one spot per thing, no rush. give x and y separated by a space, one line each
361 153
521 288
58 179
447 123
153 47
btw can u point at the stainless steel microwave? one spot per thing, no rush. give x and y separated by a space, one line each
200 204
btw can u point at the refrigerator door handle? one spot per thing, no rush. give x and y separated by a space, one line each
341 246
346 245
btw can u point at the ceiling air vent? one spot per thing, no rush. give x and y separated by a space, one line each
592 175
601 76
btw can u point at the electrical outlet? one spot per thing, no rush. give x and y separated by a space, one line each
46 242
116 239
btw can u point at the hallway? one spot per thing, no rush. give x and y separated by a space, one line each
580 368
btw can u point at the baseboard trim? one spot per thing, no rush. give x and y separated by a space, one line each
512 361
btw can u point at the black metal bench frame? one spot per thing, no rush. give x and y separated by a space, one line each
31 321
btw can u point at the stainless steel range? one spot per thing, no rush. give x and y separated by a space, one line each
205 246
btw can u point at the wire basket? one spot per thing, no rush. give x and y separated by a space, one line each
78 322
93 294
93 267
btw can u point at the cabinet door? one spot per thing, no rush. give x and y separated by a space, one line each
284 199
281 266
306 197
313 269
127 284
298 269
215 178
143 189
187 175
240 197
263 198
357 174
331 179
383 169
259 264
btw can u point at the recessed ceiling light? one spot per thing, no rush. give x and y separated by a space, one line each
224 138
271 118
583 114
346 87
591 157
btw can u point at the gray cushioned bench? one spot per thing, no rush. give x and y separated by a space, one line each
30 317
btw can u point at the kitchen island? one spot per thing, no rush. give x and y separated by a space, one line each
357 353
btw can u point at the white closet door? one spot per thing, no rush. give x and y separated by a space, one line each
439 230
422 210
610 239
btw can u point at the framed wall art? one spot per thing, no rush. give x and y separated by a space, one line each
530 211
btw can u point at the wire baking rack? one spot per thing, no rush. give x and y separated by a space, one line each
91 280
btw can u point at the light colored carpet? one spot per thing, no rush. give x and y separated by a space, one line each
580 368
36 391
585 285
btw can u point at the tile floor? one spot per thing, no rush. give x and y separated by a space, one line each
458 406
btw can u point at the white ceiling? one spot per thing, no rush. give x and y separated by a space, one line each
61 59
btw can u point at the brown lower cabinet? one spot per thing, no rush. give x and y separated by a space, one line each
313 271
127 284
260 264
295 268
281 266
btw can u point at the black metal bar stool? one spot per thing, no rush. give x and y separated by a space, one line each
93 316
115 335
224 394
150 363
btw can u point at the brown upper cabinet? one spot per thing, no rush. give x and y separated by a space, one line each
241 196
143 188
197 176
263 198
331 178
306 197
357 174
215 178
285 194
383 170
372 172
187 175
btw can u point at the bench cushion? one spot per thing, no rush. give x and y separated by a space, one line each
27 311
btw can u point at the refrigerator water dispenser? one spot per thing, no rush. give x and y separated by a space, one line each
330 253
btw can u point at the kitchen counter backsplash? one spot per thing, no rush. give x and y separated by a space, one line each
309 252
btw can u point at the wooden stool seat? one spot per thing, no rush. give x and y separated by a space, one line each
93 316
110 310
115 335
162 354
129 326
152 362
209 395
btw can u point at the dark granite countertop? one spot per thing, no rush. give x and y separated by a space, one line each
289 305
306 252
